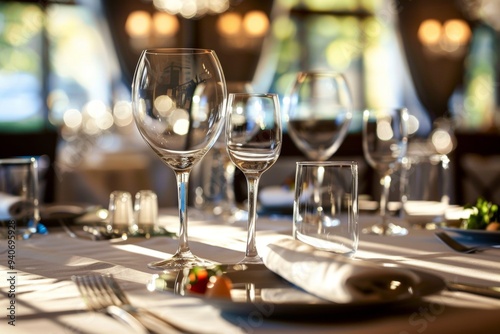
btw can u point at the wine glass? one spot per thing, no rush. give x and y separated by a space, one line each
253 138
178 98
385 140
318 112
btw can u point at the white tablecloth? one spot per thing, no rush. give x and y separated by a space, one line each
46 300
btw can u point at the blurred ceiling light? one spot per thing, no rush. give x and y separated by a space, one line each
149 30
165 24
449 38
429 32
138 24
457 31
192 8
229 24
256 23
243 32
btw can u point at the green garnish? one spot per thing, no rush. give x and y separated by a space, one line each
482 213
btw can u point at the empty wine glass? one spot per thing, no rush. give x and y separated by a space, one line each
178 98
385 138
253 138
318 111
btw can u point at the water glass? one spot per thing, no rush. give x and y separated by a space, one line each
425 194
325 213
19 197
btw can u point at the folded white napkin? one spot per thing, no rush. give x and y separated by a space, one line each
276 196
335 277
13 207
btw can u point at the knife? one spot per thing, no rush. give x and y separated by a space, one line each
488 291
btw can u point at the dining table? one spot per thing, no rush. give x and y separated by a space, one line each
38 293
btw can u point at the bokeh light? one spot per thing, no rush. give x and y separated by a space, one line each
138 24
256 23
429 32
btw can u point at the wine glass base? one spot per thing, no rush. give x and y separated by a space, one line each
180 261
251 260
388 229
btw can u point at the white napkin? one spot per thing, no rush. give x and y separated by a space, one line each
13 207
276 196
335 277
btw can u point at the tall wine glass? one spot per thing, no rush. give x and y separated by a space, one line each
318 112
253 138
385 140
178 98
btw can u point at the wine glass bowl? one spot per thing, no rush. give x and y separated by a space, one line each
318 112
253 139
385 141
178 99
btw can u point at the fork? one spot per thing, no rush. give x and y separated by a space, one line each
461 248
101 293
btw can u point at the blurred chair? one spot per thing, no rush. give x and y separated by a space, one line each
39 144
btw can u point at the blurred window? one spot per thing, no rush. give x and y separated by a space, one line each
53 59
21 69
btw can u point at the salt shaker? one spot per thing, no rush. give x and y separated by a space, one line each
146 211
121 213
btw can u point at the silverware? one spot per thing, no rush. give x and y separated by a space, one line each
75 235
101 293
456 246
488 291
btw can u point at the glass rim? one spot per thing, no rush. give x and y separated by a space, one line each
18 161
253 94
327 163
177 51
387 108
321 73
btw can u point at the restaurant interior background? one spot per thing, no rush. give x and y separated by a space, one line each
66 68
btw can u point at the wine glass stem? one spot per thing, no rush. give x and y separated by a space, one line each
182 187
253 184
385 182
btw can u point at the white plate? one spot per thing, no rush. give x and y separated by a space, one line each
258 291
